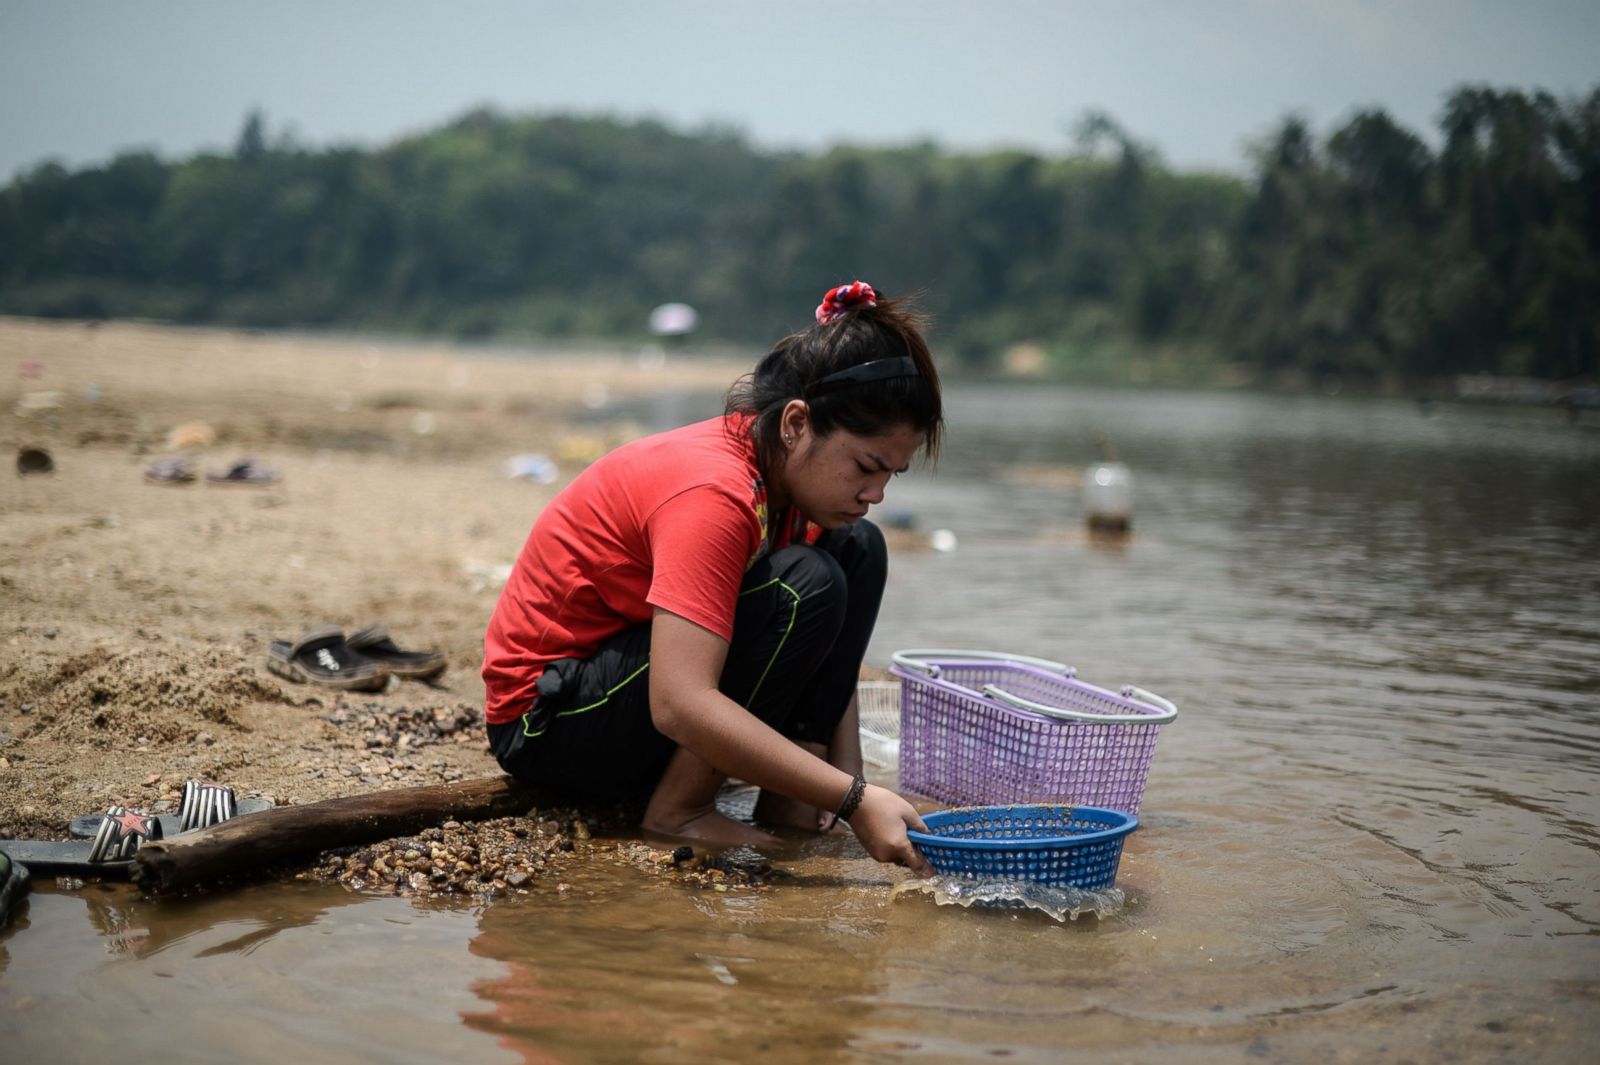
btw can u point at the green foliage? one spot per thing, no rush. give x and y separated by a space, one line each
1366 255
1371 257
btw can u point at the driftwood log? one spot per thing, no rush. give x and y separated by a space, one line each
247 843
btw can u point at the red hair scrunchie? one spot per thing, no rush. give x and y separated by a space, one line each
840 300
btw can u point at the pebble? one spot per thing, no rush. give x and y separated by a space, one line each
484 860
408 727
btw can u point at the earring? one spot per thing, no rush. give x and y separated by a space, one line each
788 439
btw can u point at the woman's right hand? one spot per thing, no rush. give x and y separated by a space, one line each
880 823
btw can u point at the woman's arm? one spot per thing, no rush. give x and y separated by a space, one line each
685 705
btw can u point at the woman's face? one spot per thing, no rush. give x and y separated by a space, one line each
834 479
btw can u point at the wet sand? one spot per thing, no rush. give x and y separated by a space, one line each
135 617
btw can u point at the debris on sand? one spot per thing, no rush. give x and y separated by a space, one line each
384 727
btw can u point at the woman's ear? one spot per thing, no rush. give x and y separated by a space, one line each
795 422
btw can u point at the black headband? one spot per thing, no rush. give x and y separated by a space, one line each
863 373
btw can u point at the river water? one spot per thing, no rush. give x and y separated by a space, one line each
1372 834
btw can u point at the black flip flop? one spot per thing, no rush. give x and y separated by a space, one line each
203 805
323 657
373 642
246 471
110 853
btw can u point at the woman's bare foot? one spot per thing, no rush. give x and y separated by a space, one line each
707 825
684 804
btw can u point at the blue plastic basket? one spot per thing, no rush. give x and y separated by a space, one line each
1059 846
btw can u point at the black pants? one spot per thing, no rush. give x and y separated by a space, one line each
800 631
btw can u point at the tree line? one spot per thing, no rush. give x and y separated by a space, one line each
1366 254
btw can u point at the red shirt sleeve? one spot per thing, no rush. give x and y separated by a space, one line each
701 542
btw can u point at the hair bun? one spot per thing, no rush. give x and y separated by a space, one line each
841 300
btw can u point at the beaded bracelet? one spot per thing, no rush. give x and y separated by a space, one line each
852 799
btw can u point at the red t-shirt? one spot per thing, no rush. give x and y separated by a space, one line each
670 521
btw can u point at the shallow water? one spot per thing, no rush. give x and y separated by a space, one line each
1372 834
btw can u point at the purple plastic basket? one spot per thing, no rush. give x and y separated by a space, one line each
981 727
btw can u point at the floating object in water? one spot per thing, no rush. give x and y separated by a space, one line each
1108 497
31 460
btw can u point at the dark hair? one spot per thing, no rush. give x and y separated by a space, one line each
889 329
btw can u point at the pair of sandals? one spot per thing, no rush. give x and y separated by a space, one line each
106 843
363 661
178 470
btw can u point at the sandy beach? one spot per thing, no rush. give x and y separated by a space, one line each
135 617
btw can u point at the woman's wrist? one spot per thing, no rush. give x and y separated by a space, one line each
852 799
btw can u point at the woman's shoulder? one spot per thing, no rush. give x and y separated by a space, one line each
712 453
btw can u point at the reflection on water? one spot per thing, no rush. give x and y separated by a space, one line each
269 973
1372 833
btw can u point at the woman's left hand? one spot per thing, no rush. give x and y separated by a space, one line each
880 823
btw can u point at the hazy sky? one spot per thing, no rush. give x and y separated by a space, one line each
82 79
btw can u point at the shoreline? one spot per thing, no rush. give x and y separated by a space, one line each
1163 367
136 616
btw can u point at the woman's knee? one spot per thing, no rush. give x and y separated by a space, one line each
869 545
808 569
815 578
862 554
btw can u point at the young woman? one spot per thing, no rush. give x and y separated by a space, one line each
697 604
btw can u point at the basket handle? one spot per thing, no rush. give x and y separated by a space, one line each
911 660
1130 692
1169 711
